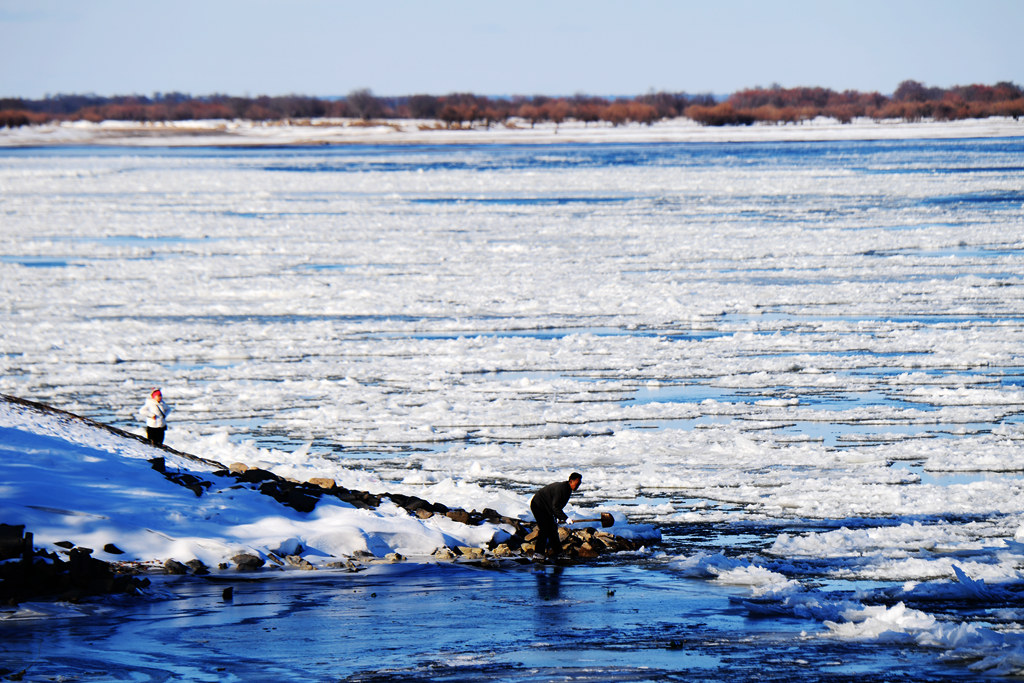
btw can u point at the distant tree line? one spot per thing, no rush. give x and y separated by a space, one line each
912 101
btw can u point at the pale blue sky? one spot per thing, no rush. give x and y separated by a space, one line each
601 47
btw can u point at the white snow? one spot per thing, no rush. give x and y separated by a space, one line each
66 480
406 131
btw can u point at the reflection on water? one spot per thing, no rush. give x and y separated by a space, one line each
442 622
548 581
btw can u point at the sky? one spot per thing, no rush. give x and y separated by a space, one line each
551 47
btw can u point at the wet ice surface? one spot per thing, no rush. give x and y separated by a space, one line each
803 358
452 623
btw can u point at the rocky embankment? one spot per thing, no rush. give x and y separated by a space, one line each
71 572
578 544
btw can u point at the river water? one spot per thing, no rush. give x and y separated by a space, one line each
796 358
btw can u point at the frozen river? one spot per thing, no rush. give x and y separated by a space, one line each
802 361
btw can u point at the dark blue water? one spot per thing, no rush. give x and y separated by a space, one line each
449 623
989 155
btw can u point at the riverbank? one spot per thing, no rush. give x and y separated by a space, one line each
222 133
158 509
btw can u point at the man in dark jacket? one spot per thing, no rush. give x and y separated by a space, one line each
547 506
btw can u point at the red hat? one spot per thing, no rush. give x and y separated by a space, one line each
154 392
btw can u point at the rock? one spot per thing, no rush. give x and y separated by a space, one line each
238 467
444 554
112 549
423 513
227 594
346 564
253 475
12 541
247 562
299 562
323 483
410 503
460 516
197 567
563 534
470 552
297 496
502 550
532 536
42 573
189 481
514 542
172 566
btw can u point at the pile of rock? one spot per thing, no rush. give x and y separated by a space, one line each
581 544
27 573
587 543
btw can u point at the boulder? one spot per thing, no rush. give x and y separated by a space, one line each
189 481
254 475
197 567
247 562
299 562
12 541
503 550
323 483
172 566
460 516
444 554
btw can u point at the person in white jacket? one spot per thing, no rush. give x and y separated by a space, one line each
154 412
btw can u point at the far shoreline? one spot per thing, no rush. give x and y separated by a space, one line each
342 132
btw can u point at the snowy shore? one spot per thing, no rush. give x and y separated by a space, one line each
423 132
70 480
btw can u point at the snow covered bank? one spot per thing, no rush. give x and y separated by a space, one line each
70 481
406 132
